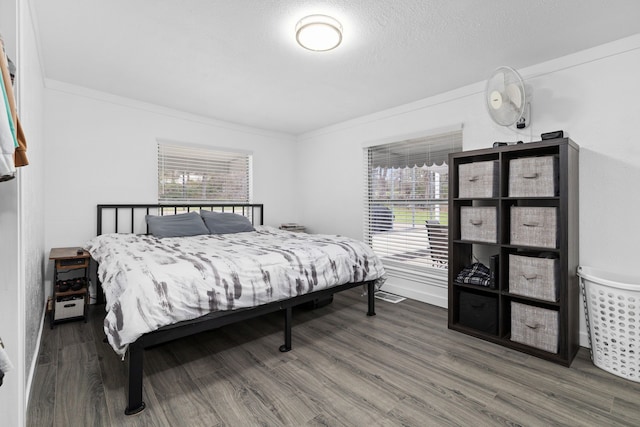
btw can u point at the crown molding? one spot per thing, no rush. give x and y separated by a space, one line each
577 59
63 87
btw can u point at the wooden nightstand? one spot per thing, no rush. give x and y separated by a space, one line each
70 292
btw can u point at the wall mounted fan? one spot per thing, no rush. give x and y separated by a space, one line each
506 98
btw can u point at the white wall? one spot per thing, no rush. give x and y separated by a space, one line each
102 149
21 221
591 95
31 97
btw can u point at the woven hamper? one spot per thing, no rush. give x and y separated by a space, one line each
534 277
478 179
534 226
533 177
534 326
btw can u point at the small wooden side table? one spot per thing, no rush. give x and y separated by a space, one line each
70 292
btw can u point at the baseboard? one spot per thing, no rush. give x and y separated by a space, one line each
584 339
34 359
427 294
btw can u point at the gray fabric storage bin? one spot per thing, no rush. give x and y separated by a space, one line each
478 179
534 326
479 223
534 226
534 277
533 177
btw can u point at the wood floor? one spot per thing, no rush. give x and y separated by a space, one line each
401 367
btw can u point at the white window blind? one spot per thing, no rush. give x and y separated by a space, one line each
190 173
406 201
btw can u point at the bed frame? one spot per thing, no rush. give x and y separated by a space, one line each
129 218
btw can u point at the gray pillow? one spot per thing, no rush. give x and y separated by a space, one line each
226 223
189 224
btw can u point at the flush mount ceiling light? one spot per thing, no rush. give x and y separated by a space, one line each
318 33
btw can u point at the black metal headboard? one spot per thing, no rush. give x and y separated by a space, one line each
124 218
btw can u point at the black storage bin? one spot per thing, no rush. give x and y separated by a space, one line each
479 312
318 302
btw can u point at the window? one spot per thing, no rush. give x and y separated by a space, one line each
406 202
191 173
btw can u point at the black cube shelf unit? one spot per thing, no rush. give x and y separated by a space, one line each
520 208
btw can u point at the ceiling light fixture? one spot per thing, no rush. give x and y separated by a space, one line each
318 33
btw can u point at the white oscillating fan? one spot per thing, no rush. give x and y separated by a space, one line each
506 98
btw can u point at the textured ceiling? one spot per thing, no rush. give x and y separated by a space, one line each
237 60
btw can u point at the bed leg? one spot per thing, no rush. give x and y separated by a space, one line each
99 293
371 296
287 330
135 355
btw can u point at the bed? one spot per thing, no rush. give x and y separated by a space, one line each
160 287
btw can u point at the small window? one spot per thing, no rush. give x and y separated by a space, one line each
199 174
406 200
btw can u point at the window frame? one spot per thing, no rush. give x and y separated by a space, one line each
415 230
204 163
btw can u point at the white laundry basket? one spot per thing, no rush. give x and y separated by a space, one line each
612 310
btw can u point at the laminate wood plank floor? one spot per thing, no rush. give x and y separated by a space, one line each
402 367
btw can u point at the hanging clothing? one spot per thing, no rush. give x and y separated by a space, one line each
12 68
20 142
5 363
8 140
20 155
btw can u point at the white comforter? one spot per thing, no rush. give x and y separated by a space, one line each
149 282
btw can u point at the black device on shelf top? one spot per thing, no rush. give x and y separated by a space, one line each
552 135
525 229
